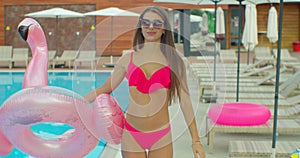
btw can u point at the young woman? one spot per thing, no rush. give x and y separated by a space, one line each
156 76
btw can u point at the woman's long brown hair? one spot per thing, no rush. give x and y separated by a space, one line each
178 73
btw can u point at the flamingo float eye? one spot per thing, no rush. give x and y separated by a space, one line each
23 31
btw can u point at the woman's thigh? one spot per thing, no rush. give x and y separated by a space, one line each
130 148
165 152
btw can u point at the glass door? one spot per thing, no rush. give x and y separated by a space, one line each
234 27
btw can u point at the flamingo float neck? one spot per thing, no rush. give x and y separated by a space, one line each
36 73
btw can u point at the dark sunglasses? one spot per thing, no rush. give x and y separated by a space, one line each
156 23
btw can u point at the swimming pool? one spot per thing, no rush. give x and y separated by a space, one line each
79 82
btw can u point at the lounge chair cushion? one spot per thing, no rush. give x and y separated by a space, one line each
262 149
239 114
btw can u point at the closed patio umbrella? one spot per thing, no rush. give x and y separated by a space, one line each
204 23
250 30
55 13
220 25
272 29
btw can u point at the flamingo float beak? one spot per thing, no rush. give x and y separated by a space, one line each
23 31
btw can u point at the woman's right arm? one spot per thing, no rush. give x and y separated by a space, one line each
112 81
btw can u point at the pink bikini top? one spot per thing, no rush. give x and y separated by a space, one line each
159 79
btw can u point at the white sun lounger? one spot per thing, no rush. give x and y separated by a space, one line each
222 85
261 149
263 54
19 55
285 56
265 84
284 126
51 56
232 74
285 90
228 55
282 102
6 54
229 68
290 112
86 56
67 56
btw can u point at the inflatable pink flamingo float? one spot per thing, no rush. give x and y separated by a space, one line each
38 103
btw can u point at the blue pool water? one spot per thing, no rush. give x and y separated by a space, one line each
79 82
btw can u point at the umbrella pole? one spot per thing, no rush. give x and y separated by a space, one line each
111 34
56 37
95 29
272 48
239 50
248 55
215 47
274 137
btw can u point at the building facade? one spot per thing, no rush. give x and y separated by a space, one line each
113 35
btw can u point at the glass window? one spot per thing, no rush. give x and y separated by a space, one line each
234 27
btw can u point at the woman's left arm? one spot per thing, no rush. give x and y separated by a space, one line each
188 112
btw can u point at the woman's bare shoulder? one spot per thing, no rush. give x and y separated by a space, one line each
124 59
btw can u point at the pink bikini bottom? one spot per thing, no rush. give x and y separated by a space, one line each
146 139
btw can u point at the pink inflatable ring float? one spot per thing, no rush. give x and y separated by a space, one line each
38 103
239 114
104 118
50 104
107 113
